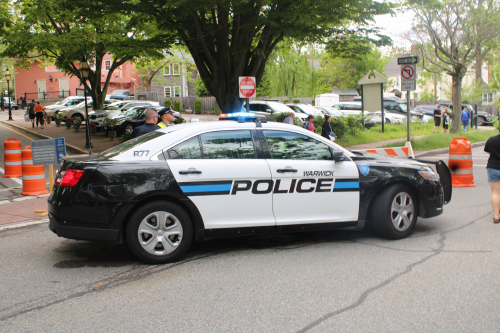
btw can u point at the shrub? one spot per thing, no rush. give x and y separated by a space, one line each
177 106
125 136
285 101
180 120
339 126
167 103
318 123
197 106
296 101
313 103
354 122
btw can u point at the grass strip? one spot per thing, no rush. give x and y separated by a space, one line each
442 140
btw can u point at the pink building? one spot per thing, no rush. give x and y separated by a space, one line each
38 82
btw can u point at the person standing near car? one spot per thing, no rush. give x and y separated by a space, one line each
326 130
150 125
39 110
492 147
166 116
32 113
437 119
446 120
465 119
289 119
308 125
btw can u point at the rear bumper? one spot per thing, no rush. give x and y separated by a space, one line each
79 233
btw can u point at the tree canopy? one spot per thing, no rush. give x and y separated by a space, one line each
63 32
228 39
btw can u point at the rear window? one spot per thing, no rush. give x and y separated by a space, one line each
112 152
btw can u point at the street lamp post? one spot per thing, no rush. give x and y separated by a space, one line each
84 71
7 77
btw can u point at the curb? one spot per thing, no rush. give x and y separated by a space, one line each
446 150
68 146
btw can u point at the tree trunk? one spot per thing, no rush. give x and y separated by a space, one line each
479 65
457 103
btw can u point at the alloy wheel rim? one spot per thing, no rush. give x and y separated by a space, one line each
160 233
402 210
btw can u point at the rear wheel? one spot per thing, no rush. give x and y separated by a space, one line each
480 121
393 212
77 116
159 232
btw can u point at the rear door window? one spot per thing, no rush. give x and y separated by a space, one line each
228 145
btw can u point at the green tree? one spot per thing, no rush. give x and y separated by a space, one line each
448 37
63 32
200 88
229 38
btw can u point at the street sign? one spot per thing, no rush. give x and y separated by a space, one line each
408 60
60 149
408 72
247 87
408 85
44 152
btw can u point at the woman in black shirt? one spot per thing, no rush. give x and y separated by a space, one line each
326 130
492 146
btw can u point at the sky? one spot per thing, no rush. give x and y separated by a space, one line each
395 26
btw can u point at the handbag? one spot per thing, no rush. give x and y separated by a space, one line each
27 117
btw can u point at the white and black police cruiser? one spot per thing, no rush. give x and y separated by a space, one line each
215 179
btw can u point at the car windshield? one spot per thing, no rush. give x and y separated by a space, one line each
309 109
58 103
67 101
134 112
114 106
112 152
403 106
278 107
334 112
81 105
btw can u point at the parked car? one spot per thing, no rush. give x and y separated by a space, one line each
13 104
133 118
483 118
121 95
398 105
270 109
348 108
331 111
390 117
67 102
78 111
116 109
305 109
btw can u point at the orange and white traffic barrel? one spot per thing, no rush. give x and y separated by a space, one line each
12 158
460 163
33 175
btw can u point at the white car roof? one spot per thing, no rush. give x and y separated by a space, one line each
179 133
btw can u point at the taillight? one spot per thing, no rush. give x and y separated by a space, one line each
69 178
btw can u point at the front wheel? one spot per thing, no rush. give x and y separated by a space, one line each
159 232
480 121
393 212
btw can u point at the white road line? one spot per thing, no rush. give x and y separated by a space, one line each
11 188
17 180
22 224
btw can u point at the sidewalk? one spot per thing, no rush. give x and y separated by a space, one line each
22 211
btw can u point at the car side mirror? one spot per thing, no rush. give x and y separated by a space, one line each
337 156
269 110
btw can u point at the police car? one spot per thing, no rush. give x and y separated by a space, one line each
161 191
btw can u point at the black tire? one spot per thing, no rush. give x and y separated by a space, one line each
177 243
77 115
383 215
387 121
480 121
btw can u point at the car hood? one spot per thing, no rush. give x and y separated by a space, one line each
389 160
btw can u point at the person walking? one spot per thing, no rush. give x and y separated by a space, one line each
437 119
289 119
167 117
23 100
492 147
465 119
326 130
446 120
32 113
39 111
149 126
308 125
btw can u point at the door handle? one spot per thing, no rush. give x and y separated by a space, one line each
189 172
286 170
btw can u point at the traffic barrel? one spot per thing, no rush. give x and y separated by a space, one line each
12 158
33 175
460 163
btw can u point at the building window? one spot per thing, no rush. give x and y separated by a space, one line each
416 96
177 91
92 65
488 98
168 92
166 70
176 68
107 65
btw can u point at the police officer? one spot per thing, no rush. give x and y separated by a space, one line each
166 116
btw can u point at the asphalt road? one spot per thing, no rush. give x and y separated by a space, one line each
444 278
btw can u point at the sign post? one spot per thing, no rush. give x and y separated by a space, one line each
408 83
247 88
48 152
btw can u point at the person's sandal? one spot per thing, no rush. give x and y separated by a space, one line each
496 221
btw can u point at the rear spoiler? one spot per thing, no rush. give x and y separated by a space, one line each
444 177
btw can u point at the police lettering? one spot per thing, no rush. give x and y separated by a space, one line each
266 186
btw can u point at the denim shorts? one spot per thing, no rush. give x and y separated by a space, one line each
493 175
